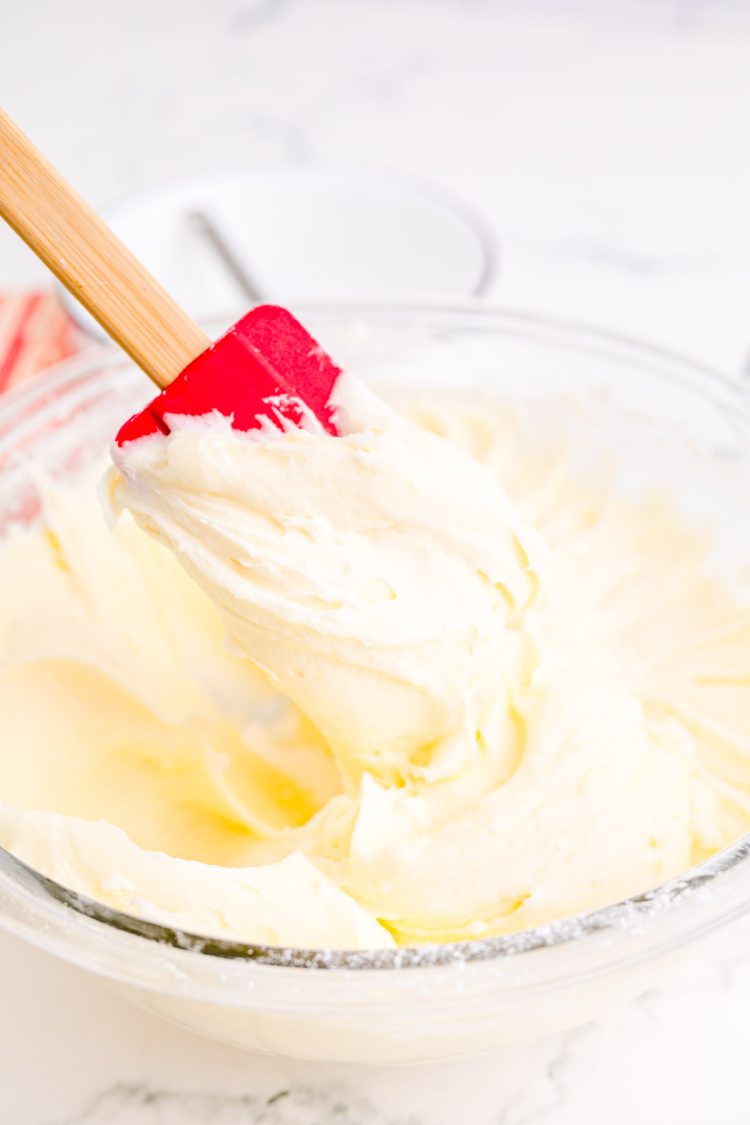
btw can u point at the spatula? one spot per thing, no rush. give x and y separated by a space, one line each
267 369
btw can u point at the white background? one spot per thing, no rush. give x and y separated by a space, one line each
609 146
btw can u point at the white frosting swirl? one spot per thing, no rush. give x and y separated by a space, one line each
456 731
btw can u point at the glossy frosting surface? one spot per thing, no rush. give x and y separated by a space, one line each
467 690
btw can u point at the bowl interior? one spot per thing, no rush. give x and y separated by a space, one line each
672 424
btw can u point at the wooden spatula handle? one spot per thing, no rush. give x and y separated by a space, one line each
91 261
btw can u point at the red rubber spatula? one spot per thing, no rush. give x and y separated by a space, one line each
266 369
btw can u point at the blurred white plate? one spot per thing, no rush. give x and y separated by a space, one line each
305 232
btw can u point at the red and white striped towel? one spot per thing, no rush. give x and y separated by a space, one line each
35 332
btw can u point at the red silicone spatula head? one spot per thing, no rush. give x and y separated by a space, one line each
267 368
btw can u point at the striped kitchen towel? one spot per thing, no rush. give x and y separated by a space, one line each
35 333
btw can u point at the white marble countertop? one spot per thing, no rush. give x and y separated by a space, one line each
607 145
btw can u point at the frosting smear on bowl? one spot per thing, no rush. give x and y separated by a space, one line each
422 682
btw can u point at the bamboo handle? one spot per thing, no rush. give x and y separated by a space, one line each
92 263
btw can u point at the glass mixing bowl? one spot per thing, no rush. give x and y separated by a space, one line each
675 424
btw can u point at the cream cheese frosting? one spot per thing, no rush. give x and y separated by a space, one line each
441 714
379 578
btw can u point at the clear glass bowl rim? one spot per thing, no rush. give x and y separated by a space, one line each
643 910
